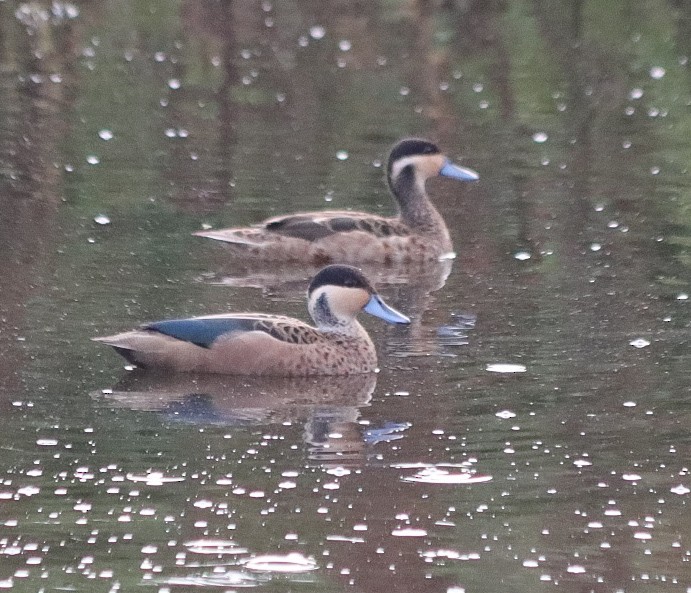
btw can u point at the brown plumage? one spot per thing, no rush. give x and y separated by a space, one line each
260 344
417 233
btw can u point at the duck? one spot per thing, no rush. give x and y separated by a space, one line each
259 344
417 233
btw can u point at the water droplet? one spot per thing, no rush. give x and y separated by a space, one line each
595 247
639 343
682 296
505 414
289 563
540 137
631 477
342 155
409 532
102 219
575 569
478 87
92 159
612 224
505 368
654 170
582 463
105 134
681 489
657 72
404 91
344 45
174 84
636 93
317 32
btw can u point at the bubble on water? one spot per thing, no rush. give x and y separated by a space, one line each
540 137
631 477
478 87
435 475
105 134
92 159
409 532
575 569
47 442
101 219
293 562
636 93
521 255
595 247
505 414
214 547
639 343
530 563
342 155
582 463
344 45
174 84
657 72
154 478
612 224
642 535
501 367
680 489
682 296
317 32
654 170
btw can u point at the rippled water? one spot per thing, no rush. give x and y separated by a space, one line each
528 432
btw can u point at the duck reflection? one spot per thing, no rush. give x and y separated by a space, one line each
327 407
409 287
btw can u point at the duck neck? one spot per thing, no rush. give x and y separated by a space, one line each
328 322
416 209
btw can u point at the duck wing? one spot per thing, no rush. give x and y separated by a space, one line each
315 226
204 331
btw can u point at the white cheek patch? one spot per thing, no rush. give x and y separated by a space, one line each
425 166
343 303
401 164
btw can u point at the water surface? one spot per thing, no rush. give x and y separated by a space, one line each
528 432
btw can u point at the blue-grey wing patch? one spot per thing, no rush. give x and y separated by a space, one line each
200 331
205 331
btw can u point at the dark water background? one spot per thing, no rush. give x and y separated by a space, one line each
126 125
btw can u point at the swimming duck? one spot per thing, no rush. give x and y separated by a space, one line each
417 233
260 344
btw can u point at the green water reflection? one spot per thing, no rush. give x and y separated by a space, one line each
573 261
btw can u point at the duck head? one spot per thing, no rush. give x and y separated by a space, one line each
412 161
338 293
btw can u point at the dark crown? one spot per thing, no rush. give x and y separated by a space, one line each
340 275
